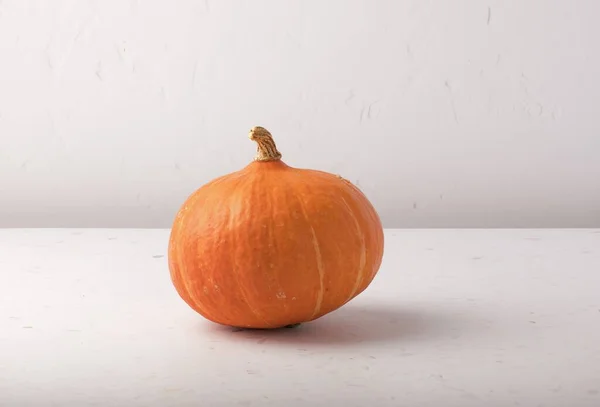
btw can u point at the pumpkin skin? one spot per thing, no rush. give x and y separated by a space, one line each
271 245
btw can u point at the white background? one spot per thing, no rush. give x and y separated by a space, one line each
446 113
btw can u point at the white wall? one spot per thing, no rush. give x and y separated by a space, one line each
446 113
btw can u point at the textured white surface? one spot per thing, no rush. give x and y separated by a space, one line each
455 318
446 113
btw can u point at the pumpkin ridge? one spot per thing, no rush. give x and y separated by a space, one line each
236 274
209 300
374 217
270 207
178 273
319 260
363 253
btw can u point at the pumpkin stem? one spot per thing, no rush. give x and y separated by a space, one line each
267 150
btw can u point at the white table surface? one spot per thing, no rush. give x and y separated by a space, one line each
454 318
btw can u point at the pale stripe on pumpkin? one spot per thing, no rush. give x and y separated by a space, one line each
318 259
321 272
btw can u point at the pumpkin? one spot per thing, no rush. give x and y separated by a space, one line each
271 245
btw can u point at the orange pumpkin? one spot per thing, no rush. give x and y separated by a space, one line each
271 245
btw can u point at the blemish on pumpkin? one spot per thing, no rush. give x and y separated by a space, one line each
281 295
293 298
216 287
205 289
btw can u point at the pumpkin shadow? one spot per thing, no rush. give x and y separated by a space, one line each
353 324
